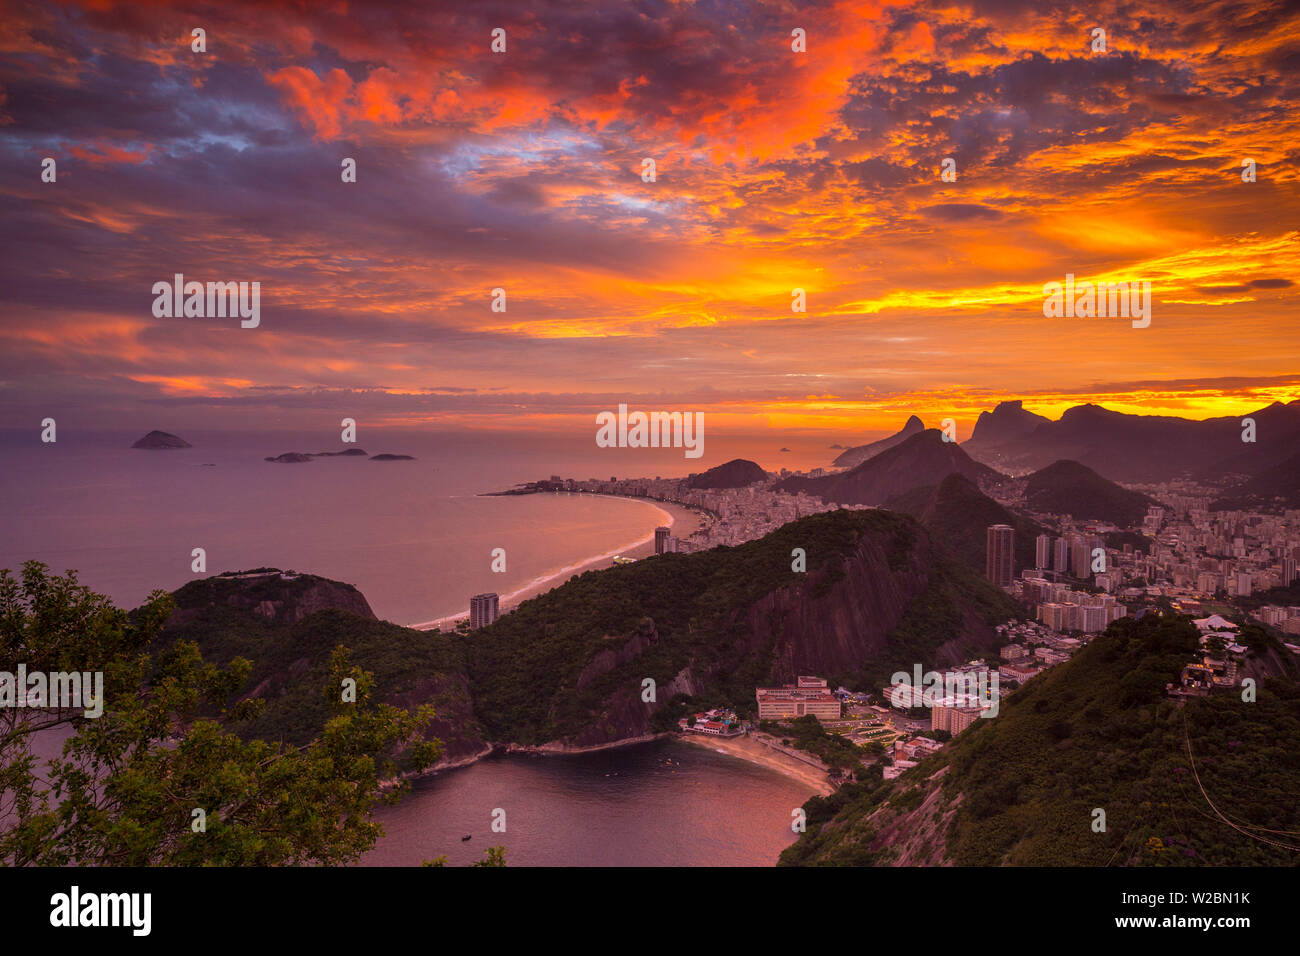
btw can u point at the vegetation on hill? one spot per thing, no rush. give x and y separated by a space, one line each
695 602
128 782
1067 487
569 665
1210 783
922 459
958 514
736 473
807 734
1277 486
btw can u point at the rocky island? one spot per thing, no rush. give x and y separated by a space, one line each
294 457
157 439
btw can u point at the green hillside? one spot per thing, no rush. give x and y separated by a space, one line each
568 666
1095 732
957 513
1067 487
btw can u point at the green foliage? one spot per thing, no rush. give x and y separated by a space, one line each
806 733
958 514
525 668
127 784
839 830
1100 731
1067 487
493 856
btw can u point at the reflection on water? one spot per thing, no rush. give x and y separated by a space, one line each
656 804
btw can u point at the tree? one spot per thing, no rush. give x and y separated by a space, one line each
495 856
158 779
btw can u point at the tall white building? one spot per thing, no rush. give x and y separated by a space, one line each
483 610
1043 552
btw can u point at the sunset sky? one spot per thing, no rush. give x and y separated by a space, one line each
522 170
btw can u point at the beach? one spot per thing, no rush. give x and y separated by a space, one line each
754 752
679 518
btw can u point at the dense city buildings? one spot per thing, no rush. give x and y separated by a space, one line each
954 714
728 516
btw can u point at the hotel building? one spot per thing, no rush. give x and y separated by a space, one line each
483 610
808 696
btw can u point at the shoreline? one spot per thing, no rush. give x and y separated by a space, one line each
743 748
552 749
672 513
752 751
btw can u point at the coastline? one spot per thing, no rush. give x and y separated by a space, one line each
742 748
671 513
746 749
552 749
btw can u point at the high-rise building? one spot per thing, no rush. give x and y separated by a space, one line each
1000 556
661 539
1043 552
1288 571
1061 558
483 610
1080 566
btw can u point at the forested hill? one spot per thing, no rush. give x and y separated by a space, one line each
568 668
1213 783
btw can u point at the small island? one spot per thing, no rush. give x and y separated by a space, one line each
392 458
157 439
294 457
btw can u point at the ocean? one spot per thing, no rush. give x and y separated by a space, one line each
663 803
416 537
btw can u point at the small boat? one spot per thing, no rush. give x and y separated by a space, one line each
467 836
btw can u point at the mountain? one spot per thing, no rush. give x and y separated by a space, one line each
1097 731
923 459
565 669
278 596
157 439
288 624
1278 485
736 473
1008 422
1067 487
860 453
1137 448
957 513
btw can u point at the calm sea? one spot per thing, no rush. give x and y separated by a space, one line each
657 804
415 536
417 540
